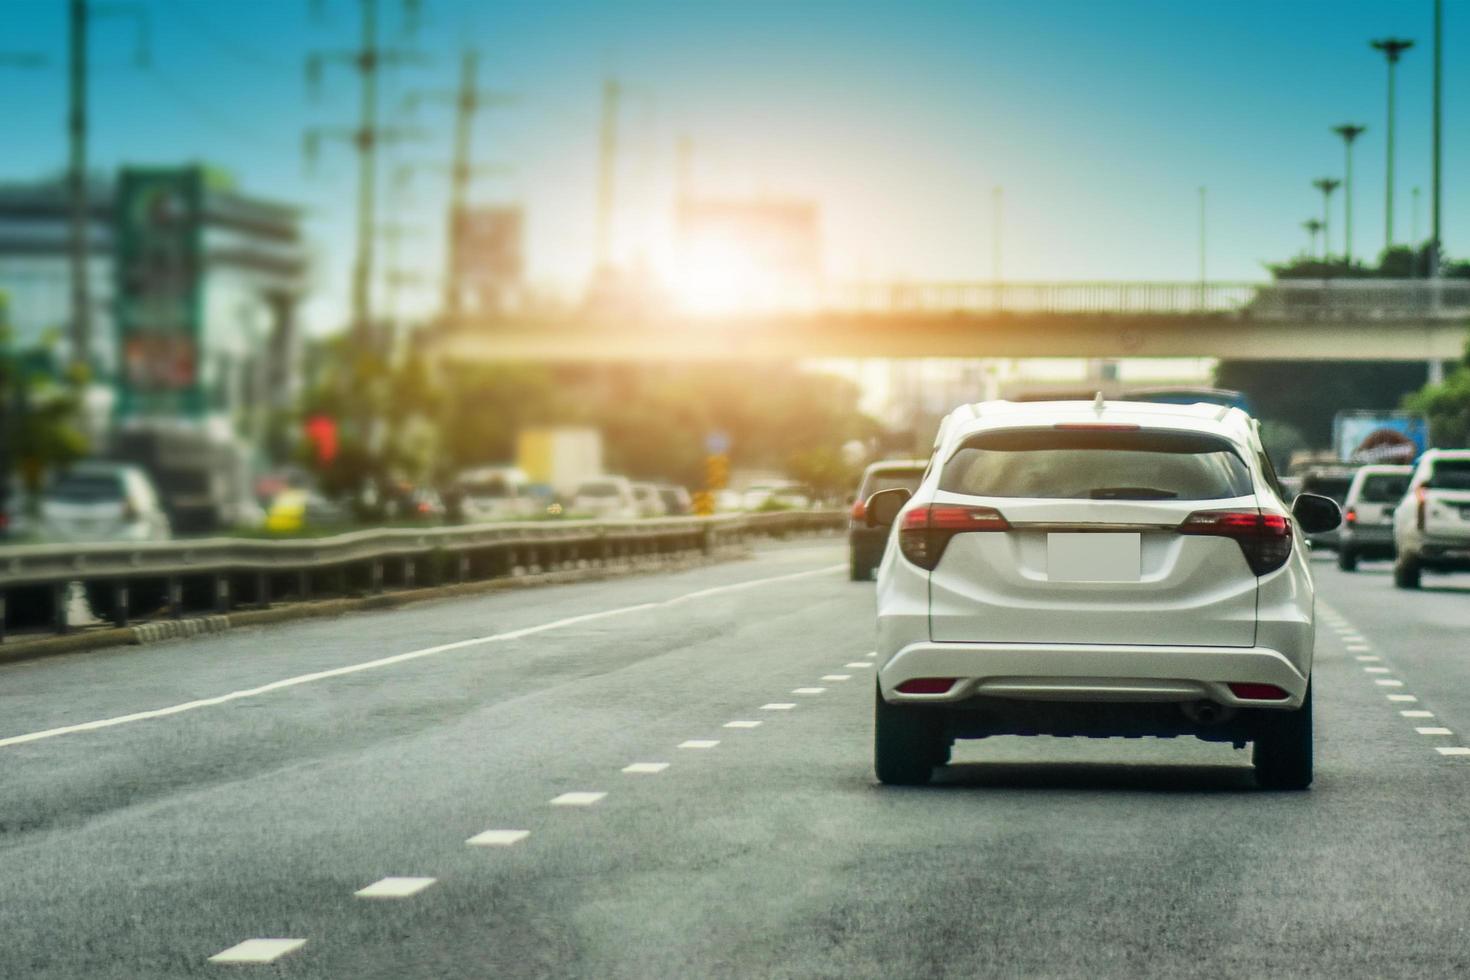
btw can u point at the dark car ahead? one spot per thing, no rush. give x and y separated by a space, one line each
865 544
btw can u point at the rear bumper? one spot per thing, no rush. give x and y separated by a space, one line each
1087 672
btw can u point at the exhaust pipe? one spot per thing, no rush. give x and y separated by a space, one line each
1207 712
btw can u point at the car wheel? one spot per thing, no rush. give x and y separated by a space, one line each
859 570
1347 560
908 742
1282 749
1406 572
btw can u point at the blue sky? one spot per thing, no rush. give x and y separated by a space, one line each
1100 120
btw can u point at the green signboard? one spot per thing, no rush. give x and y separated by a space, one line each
158 257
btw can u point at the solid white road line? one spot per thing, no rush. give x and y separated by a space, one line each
1416 713
742 724
699 743
577 799
646 767
1452 750
808 690
394 887
257 951
777 706
1432 730
1402 697
836 677
1387 682
498 838
398 658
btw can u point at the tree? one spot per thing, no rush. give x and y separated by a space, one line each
1446 405
40 415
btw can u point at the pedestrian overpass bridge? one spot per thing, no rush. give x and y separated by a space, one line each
1341 319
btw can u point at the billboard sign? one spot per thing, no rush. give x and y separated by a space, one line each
489 257
1379 437
158 236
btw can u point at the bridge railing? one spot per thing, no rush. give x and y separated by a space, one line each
1388 299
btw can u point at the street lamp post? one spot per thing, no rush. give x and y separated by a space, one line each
1348 132
1392 48
1326 185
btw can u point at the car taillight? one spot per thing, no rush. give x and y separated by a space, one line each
1420 503
1351 517
859 509
1264 539
925 531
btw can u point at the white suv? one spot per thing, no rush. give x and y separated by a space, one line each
1431 525
1096 569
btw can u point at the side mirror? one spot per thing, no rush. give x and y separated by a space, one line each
882 507
1316 514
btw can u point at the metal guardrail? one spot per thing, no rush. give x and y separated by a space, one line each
1380 299
216 574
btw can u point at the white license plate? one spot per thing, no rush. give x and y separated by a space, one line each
1093 557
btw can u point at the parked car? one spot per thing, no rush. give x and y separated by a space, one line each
1367 518
1096 569
1431 524
677 501
648 501
496 493
294 509
864 543
98 501
608 497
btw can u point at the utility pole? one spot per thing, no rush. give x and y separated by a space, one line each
1348 132
1313 227
1326 185
1435 242
607 171
76 184
368 60
1414 219
468 100
1392 48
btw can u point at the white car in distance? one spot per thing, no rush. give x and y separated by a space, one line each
1431 525
605 497
1096 569
101 501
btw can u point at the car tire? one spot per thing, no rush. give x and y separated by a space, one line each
1347 560
1282 748
859 570
908 742
1406 572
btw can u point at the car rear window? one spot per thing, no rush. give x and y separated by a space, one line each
1450 474
1385 488
87 488
1097 464
891 480
1335 487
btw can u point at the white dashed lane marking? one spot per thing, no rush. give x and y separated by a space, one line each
836 677
257 951
1432 730
873 654
646 767
858 665
1402 697
577 799
1369 660
394 887
809 690
742 724
1416 713
1377 670
1452 750
777 706
498 838
1388 682
699 743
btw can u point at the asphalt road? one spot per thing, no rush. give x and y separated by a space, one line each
218 804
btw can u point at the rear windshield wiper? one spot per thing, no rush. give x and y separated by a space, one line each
1131 493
